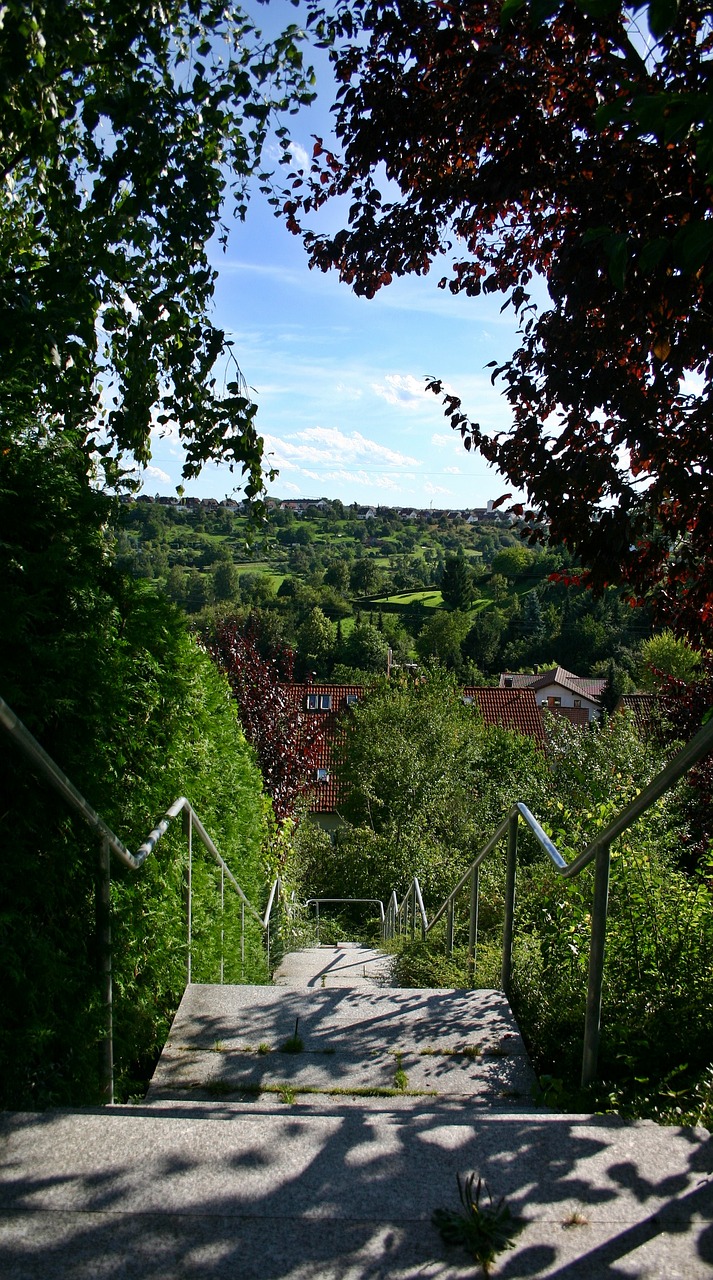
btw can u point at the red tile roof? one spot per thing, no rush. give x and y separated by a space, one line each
646 709
514 709
575 715
325 795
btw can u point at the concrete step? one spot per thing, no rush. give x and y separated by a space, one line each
344 964
228 1040
335 1189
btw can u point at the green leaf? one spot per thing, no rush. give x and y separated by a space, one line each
662 15
692 245
651 254
618 254
510 8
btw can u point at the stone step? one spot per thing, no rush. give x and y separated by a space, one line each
332 1189
343 964
229 1040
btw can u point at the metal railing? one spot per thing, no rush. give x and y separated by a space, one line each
374 902
402 917
109 844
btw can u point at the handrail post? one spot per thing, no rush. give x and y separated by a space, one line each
413 912
317 904
103 912
242 941
222 925
449 930
509 925
188 829
596 964
473 924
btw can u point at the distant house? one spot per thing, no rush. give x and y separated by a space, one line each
321 706
578 698
514 709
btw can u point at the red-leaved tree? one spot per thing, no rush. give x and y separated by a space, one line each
553 142
285 740
686 703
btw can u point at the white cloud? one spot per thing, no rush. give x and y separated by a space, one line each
452 471
300 157
348 393
432 489
330 447
403 390
157 474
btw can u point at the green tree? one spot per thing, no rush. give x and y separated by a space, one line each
365 577
366 648
337 575
226 581
126 130
316 638
513 562
456 582
442 637
425 783
103 672
669 655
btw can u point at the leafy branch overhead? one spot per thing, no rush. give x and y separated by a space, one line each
558 141
127 132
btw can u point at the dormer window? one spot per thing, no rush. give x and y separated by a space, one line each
507 682
467 700
323 775
318 702
352 699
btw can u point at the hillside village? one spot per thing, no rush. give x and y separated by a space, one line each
356 590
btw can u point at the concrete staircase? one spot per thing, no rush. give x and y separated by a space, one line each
246 1160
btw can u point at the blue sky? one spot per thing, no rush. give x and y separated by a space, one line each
340 380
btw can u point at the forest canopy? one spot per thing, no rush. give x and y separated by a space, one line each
565 142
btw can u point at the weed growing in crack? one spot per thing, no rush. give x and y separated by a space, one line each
400 1077
484 1230
294 1043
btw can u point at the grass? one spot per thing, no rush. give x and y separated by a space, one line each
400 1076
251 1089
457 1051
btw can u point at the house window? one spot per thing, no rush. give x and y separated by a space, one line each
554 702
577 702
468 700
352 699
312 702
325 702
507 682
323 775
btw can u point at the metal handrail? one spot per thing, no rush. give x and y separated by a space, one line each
111 844
401 917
